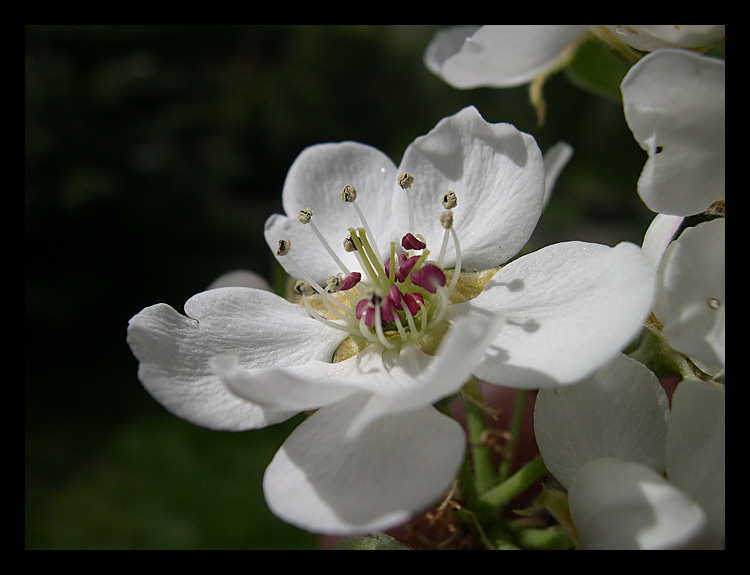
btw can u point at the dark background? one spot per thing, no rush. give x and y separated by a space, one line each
154 154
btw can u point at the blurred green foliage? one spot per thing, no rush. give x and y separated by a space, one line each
154 154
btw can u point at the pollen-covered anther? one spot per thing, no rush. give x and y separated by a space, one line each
405 180
446 219
348 193
334 283
411 242
449 200
305 215
349 244
303 288
284 246
429 277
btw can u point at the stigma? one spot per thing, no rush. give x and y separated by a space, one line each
388 301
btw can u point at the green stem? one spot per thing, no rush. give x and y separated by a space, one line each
481 456
547 538
519 406
499 496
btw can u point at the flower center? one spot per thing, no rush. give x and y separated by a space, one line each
389 302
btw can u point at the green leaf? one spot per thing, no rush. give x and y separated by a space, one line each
598 68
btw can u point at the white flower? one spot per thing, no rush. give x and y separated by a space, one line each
381 331
505 55
611 440
674 102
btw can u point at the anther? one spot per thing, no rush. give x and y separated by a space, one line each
348 193
303 288
284 246
305 215
351 280
410 242
429 277
349 244
405 180
449 200
446 219
334 283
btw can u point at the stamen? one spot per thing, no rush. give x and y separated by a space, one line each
379 329
334 283
446 220
429 277
409 242
449 200
349 195
351 280
303 288
369 258
323 320
305 216
405 181
284 247
457 270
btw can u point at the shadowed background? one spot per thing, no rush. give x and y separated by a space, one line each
154 154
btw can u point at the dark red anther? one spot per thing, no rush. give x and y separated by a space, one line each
429 277
412 301
351 280
409 242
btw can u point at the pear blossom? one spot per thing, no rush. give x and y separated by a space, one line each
505 55
637 475
398 302
674 103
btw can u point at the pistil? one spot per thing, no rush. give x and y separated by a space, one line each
395 291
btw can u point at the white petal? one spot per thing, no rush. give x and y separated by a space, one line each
570 308
501 55
674 105
619 504
691 294
446 42
498 176
397 381
259 327
621 411
657 36
293 389
314 181
555 159
421 380
696 452
401 464
658 237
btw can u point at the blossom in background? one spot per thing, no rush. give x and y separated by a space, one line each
674 103
505 55
399 303
637 475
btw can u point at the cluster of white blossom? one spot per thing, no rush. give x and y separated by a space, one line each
410 290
